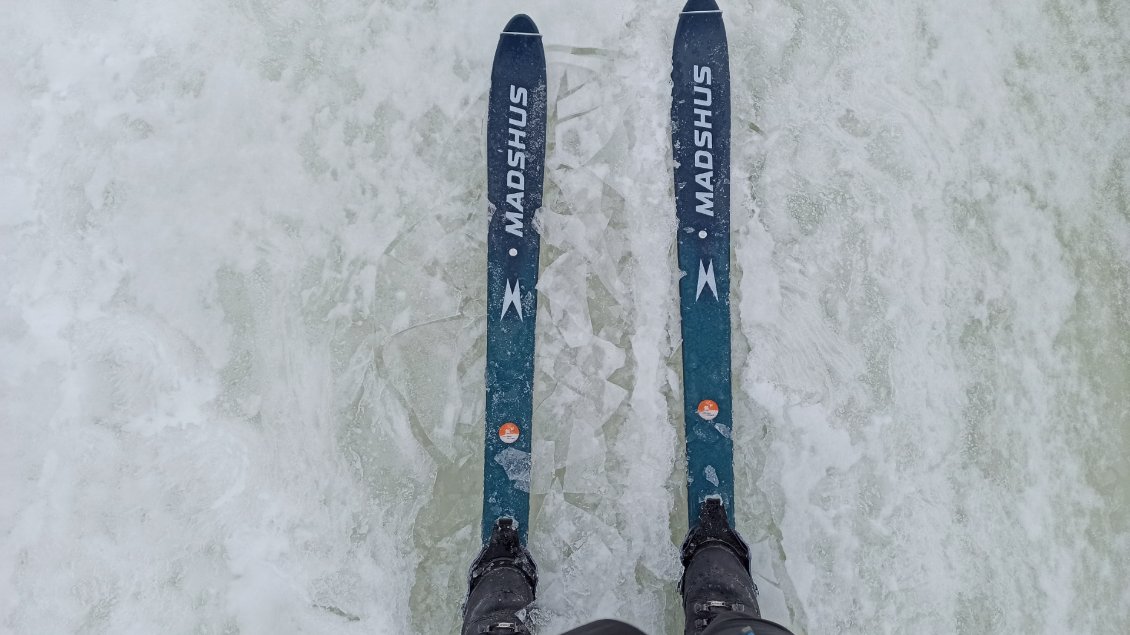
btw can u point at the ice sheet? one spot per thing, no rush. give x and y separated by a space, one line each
242 254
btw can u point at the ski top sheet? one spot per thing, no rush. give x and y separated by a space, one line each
515 167
700 132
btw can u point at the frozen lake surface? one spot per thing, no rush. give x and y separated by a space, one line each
242 280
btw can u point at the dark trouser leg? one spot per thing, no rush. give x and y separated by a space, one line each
605 627
734 623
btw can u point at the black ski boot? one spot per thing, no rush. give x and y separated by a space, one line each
716 578
502 583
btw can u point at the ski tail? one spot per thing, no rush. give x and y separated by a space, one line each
700 130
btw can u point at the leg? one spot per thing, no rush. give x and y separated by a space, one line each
605 627
744 624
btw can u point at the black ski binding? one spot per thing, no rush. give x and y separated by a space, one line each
503 550
713 528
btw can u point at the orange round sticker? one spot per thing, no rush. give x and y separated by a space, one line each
707 409
508 433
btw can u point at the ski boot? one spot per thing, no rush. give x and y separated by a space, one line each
716 576
502 583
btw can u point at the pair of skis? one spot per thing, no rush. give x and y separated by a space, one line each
700 130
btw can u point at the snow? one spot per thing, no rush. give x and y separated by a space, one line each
517 466
242 335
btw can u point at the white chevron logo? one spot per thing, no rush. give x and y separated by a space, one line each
706 279
512 297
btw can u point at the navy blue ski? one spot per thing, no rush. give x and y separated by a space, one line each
515 166
700 132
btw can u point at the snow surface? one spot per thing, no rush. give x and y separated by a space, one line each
242 253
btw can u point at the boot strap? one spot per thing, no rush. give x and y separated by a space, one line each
717 606
510 628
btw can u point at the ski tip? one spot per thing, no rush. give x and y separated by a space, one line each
701 6
521 24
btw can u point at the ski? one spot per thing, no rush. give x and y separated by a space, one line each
516 114
700 134
515 167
